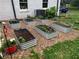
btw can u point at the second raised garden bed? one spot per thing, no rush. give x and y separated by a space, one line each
61 27
46 31
14 24
24 38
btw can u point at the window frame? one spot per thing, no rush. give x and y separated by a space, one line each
26 7
44 2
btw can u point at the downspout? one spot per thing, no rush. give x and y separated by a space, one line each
13 9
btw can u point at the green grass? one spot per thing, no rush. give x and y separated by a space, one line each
63 50
33 55
74 14
76 25
72 17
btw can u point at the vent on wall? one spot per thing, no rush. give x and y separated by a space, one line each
40 12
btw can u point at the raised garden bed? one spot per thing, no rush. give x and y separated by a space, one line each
14 24
24 38
46 31
29 21
61 27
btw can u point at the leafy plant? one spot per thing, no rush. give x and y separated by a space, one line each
45 28
50 13
8 43
1 49
22 40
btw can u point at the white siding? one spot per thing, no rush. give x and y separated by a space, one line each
6 11
6 8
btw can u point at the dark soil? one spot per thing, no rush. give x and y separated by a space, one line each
27 36
45 28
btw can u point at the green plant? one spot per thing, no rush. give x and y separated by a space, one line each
50 13
45 28
1 49
76 25
40 17
34 55
8 43
22 40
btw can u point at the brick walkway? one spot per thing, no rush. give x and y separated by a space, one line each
43 42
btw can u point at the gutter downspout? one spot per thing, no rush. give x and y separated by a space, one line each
13 9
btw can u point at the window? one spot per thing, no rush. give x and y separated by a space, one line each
45 3
23 4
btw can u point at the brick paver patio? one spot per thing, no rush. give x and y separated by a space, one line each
43 42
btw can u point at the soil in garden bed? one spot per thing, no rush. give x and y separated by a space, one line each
27 36
45 28
62 24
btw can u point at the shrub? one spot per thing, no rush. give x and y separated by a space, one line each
50 13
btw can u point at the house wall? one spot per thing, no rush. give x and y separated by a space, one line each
6 11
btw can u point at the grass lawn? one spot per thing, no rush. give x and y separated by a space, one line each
63 50
33 55
71 19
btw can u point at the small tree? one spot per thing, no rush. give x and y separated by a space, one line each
50 13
